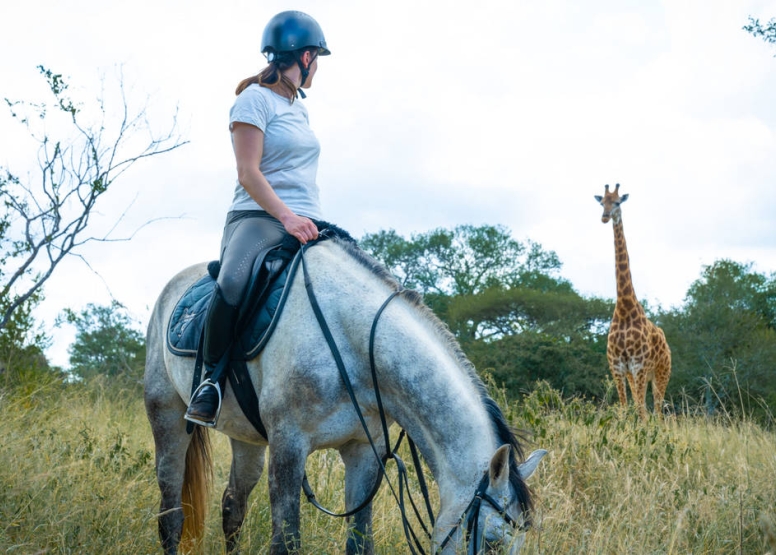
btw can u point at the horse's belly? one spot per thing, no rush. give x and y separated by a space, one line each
340 429
179 372
324 425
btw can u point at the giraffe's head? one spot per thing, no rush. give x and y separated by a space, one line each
611 203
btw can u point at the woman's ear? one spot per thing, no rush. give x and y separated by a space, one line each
307 59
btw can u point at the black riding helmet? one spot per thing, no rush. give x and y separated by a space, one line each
288 33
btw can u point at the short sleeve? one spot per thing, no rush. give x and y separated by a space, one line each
252 107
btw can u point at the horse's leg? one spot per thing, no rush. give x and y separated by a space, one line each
286 470
361 471
171 440
247 466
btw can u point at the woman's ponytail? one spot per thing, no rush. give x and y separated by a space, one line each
253 79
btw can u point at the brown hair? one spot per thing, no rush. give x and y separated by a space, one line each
272 76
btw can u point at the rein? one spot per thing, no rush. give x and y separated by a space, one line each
472 511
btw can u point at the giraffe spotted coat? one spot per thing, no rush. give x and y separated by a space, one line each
637 349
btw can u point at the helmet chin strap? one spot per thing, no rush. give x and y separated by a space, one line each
305 73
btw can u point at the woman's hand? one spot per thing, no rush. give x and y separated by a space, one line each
300 227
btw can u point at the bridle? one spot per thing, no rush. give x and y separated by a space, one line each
472 512
471 516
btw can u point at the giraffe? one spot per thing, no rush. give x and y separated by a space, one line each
637 349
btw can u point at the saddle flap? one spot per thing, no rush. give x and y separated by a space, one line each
256 322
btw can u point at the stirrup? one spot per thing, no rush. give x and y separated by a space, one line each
195 420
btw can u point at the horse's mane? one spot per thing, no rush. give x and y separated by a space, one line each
504 432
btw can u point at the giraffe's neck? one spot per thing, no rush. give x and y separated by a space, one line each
626 296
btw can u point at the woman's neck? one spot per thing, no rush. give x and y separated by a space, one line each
294 74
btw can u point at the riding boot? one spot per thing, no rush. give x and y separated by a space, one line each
205 404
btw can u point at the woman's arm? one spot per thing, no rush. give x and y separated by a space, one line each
248 143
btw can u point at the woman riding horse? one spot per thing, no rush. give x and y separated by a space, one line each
276 191
427 386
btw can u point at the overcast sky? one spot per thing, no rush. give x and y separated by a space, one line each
433 114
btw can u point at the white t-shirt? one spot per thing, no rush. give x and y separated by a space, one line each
290 158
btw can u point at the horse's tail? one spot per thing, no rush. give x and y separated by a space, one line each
197 479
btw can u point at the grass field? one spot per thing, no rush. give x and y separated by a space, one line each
76 476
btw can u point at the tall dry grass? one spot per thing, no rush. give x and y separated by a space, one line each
673 486
76 476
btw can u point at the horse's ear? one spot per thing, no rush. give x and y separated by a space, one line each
527 468
499 468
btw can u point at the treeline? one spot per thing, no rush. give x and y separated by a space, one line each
515 316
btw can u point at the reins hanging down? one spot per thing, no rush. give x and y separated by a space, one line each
389 453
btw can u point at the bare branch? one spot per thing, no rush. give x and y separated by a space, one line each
41 224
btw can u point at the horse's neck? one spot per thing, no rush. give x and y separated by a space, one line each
425 387
434 399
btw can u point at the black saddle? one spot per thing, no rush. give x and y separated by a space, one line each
257 317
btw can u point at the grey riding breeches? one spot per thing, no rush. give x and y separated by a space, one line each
248 236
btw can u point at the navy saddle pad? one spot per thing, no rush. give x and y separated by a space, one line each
188 318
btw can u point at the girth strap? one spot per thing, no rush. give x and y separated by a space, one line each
245 393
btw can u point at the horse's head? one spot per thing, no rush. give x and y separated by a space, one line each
501 519
494 521
611 202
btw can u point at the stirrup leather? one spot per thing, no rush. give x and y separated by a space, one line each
211 424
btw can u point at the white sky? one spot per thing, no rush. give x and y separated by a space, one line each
434 114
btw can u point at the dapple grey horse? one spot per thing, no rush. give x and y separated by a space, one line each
427 386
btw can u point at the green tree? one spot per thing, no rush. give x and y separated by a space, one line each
539 304
528 334
45 218
461 261
724 337
106 342
22 345
518 362
466 260
506 303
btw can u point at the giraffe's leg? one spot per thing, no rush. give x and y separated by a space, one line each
657 398
659 386
633 389
662 357
620 383
639 388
